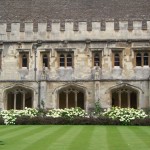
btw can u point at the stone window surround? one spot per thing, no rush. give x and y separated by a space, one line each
65 52
99 52
114 52
141 50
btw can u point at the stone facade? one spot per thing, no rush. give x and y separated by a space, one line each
60 53
81 39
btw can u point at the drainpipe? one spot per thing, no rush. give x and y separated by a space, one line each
35 46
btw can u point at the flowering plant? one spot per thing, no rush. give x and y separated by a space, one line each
125 115
68 113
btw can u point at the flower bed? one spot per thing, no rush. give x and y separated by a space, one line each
125 115
74 116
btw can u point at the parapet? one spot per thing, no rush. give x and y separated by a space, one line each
74 29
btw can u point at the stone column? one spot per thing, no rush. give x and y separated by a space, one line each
97 90
128 99
119 98
66 99
76 99
15 100
23 99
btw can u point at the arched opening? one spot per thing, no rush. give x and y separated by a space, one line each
124 97
71 97
19 98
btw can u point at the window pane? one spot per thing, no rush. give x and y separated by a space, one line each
62 60
45 60
138 60
96 59
145 59
24 61
69 60
117 60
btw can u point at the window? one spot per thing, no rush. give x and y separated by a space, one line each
24 59
142 59
45 60
66 59
117 59
97 58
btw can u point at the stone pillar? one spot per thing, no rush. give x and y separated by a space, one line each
15 100
97 90
128 99
23 99
43 93
67 99
119 98
76 98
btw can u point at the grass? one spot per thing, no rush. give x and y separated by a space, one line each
74 137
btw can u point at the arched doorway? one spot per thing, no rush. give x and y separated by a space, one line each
19 98
125 97
71 97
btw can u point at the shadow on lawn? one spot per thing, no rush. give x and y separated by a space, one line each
2 143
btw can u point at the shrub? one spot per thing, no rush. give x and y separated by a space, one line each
1 121
125 115
66 113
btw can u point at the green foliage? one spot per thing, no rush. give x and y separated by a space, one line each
97 108
125 115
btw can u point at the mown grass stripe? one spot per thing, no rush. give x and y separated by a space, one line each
145 129
132 139
142 136
47 139
27 132
16 131
82 141
64 141
7 129
115 139
29 140
99 140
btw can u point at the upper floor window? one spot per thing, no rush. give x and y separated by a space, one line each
142 59
45 60
24 59
117 59
66 59
97 58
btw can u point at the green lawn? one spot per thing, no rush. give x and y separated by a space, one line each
74 138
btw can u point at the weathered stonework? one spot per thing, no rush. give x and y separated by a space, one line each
82 38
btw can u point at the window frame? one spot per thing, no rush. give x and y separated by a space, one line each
99 57
66 59
48 59
142 52
21 54
120 53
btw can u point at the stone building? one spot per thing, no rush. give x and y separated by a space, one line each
72 53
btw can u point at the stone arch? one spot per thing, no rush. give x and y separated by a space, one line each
125 95
71 95
18 96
